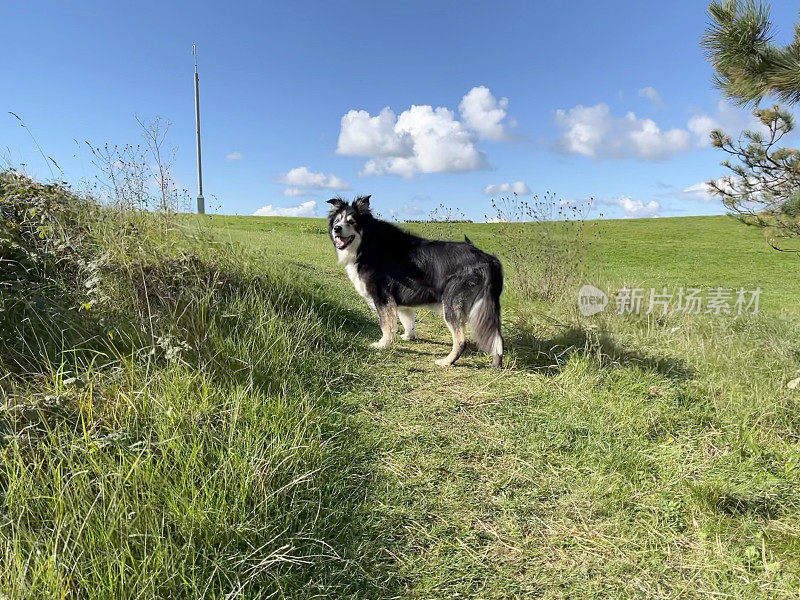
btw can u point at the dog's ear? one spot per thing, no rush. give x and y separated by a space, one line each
361 204
336 204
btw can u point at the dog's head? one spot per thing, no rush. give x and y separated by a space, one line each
346 224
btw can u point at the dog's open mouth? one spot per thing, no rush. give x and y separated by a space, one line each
342 243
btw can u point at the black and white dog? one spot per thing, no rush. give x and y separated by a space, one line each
395 272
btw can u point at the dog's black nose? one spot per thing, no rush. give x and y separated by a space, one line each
337 229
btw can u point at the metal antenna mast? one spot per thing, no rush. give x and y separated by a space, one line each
201 202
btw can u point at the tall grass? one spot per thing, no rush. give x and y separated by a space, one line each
172 415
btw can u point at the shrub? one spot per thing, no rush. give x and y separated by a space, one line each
545 261
47 260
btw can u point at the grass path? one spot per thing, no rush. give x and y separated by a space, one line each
577 484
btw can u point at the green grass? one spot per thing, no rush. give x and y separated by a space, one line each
279 456
684 251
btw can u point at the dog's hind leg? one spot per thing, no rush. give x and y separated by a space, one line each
388 318
408 319
456 328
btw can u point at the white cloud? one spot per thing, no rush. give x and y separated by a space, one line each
702 126
306 209
650 143
698 191
729 118
363 135
496 189
594 132
301 177
734 118
651 94
439 143
636 208
234 156
701 191
423 139
483 113
293 191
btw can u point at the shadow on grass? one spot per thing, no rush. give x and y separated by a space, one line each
549 356
412 348
746 500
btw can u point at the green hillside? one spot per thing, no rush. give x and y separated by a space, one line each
205 419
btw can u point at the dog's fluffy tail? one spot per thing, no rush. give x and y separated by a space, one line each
484 316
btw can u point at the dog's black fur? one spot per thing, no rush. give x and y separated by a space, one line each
399 269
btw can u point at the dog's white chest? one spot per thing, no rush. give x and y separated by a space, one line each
358 282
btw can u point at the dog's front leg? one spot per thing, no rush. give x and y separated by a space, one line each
387 313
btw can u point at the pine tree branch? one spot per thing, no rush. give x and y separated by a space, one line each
748 66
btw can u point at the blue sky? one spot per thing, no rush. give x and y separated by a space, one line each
611 99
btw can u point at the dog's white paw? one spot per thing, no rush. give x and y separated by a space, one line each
409 336
380 344
443 362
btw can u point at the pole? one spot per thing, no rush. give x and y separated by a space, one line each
201 202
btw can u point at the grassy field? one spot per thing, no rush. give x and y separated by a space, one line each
245 441
686 251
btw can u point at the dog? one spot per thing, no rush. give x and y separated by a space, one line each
397 272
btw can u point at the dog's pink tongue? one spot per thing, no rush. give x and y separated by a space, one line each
339 243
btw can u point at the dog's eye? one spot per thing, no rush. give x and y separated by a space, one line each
351 221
